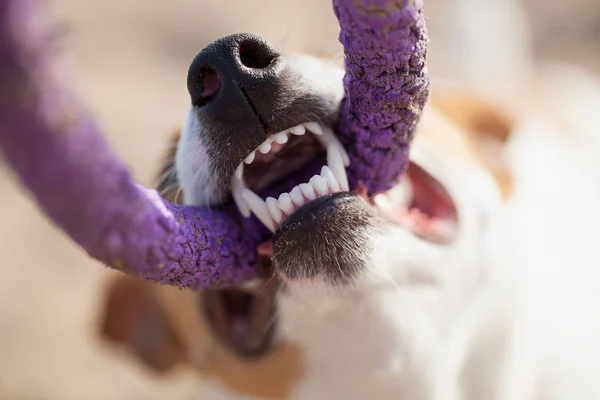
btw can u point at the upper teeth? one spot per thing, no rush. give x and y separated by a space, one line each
273 211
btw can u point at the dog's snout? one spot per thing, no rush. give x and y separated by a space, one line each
232 68
242 92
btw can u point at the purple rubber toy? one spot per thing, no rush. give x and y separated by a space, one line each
60 156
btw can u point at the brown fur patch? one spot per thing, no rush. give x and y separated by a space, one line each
486 125
134 318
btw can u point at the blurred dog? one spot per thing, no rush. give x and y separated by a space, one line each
422 292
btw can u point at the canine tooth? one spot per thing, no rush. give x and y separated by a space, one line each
239 171
265 147
274 209
285 203
402 193
329 138
237 187
298 130
281 138
297 196
335 162
314 127
382 201
259 208
251 287
330 178
250 158
308 191
320 184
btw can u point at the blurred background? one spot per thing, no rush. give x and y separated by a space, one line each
130 59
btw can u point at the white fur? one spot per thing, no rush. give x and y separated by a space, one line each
401 331
324 77
194 166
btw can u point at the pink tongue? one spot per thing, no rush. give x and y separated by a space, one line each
239 327
266 249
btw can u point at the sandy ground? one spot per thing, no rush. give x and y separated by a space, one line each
132 57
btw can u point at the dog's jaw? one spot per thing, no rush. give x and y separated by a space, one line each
400 328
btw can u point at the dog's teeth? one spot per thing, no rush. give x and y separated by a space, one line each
320 184
382 201
265 147
285 203
237 187
251 287
250 158
274 209
308 191
239 171
402 193
314 127
329 138
259 208
330 178
298 130
297 196
335 162
281 138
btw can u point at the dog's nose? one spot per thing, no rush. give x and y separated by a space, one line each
234 71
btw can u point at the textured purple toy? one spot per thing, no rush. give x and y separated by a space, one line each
57 151
386 84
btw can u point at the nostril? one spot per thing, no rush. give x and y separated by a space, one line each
256 54
204 86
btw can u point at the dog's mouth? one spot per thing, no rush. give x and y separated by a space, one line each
420 204
280 155
244 318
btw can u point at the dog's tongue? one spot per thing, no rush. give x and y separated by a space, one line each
266 249
265 252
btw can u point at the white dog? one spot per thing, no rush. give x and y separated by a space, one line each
474 278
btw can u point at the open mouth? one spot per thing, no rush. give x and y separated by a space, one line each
278 156
420 203
244 318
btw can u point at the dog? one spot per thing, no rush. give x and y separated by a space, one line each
409 294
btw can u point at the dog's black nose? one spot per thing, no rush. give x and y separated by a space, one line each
233 71
242 91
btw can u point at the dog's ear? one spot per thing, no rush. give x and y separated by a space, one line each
488 126
132 316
